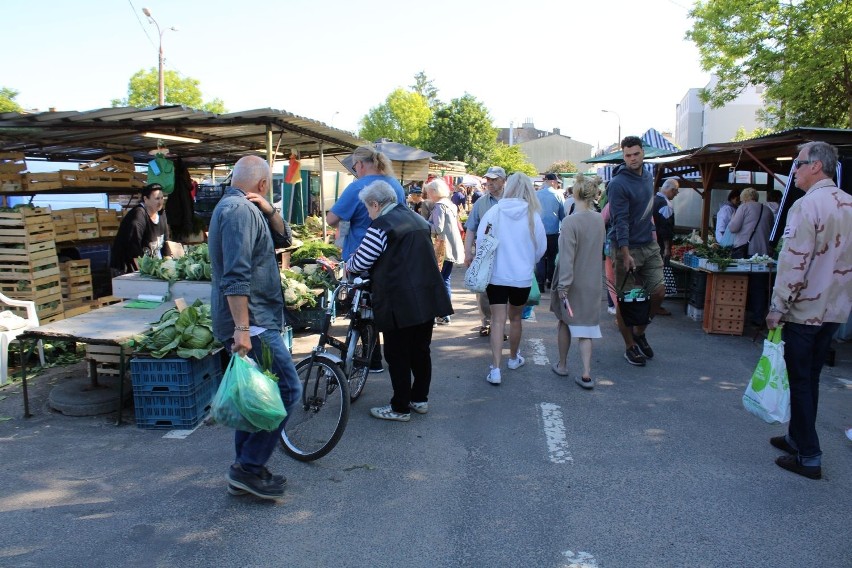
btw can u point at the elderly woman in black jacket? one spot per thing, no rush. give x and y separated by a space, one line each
408 294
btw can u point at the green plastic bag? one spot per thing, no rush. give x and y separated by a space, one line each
768 393
247 399
535 294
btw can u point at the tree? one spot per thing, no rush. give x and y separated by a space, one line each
7 100
800 51
564 167
424 87
462 130
403 117
743 135
143 89
510 158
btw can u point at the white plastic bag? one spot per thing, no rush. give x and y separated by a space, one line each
478 274
768 393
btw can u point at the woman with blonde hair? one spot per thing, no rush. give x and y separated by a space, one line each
577 280
517 225
449 246
369 165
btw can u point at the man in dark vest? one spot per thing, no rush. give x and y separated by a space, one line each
408 294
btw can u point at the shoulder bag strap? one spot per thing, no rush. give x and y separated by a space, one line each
756 224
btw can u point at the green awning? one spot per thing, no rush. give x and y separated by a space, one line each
616 157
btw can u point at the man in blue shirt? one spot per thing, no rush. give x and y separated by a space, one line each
247 309
552 212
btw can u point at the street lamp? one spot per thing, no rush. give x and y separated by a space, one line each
619 122
161 95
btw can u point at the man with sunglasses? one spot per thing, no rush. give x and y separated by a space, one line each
812 296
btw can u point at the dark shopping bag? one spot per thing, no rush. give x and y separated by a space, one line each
247 399
634 304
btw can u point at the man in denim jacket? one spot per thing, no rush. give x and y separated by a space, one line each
248 308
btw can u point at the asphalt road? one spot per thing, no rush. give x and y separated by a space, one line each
656 467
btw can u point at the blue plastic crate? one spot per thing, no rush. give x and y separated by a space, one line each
183 375
166 411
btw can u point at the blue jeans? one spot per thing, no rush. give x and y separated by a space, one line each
253 449
805 350
446 271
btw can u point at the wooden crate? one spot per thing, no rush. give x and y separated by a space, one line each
138 181
76 280
11 182
85 215
108 222
111 163
73 268
724 303
42 320
12 163
14 252
64 225
26 226
40 265
107 358
42 181
87 231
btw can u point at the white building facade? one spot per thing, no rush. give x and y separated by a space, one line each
698 124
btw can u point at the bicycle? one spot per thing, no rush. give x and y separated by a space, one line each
330 381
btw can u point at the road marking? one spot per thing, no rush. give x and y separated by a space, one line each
554 431
181 434
579 559
539 353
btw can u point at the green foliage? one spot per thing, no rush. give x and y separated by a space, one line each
143 89
462 130
564 167
756 133
510 158
7 100
403 117
800 51
313 250
424 87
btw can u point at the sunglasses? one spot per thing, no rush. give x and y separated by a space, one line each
797 163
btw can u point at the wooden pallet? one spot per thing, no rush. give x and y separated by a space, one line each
107 358
105 301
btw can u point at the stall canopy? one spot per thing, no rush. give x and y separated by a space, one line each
409 163
210 139
707 168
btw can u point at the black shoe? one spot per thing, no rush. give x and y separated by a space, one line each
378 369
782 444
634 356
263 485
791 463
643 346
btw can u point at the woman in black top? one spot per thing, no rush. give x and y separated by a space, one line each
143 230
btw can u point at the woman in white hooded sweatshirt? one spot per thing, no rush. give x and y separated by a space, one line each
516 223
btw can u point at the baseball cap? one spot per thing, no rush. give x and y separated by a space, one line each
553 177
495 172
416 189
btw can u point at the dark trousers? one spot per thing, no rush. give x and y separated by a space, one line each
805 350
545 266
758 296
446 273
408 353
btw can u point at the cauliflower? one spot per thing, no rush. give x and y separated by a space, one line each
309 269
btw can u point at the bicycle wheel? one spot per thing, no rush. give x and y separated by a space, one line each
317 422
361 341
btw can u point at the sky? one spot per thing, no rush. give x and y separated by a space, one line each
556 63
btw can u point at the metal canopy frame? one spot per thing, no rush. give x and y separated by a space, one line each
84 136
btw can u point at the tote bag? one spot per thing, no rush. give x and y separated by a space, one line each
768 393
478 274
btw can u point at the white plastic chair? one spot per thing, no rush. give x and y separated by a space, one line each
6 337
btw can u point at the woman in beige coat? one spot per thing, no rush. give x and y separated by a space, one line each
449 246
577 303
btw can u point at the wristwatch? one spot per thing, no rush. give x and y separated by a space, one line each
274 211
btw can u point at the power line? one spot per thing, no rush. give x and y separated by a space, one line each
141 25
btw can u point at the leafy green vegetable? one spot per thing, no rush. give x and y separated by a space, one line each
188 333
312 250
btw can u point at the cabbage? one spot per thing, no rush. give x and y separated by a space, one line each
168 270
189 332
309 269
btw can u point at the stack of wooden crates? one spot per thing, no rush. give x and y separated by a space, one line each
29 267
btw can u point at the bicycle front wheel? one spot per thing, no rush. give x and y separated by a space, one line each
361 341
318 420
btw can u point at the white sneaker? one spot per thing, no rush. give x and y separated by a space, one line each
493 376
419 407
516 362
611 310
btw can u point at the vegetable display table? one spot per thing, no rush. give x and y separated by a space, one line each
112 325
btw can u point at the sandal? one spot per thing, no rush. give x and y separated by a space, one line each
555 369
484 331
585 382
